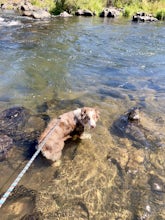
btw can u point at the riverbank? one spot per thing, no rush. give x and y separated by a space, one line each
129 8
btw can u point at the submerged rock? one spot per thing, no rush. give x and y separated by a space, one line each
13 119
112 93
21 203
33 216
6 143
19 125
157 185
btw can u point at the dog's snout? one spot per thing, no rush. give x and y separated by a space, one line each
92 126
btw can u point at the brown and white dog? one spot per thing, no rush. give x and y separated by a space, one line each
64 127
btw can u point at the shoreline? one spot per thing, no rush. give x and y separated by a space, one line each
113 11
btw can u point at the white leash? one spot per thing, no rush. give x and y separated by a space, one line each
13 185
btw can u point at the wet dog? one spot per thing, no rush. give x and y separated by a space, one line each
64 127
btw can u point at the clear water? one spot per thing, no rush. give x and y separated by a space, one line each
68 63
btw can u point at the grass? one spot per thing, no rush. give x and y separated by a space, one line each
156 8
160 14
130 7
73 5
48 4
93 5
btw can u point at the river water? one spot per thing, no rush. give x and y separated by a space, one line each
63 64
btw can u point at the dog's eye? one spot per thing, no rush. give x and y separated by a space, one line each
87 117
95 117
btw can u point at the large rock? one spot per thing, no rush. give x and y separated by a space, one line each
143 17
21 125
110 12
27 9
10 5
40 14
26 6
6 143
81 12
65 14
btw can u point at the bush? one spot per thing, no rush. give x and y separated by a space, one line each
126 12
160 15
73 5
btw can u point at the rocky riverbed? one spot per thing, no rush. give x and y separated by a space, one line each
96 179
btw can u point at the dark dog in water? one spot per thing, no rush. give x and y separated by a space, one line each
128 125
133 115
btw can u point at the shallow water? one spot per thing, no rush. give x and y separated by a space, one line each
54 66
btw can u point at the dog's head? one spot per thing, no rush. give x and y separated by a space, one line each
133 115
89 116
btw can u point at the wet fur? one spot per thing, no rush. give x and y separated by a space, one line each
67 125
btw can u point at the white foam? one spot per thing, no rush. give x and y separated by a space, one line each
9 23
13 23
1 19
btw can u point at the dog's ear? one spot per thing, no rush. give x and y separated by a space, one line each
97 113
83 113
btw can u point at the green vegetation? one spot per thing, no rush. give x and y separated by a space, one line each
73 5
160 14
49 4
155 7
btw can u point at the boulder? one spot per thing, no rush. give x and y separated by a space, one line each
40 14
21 125
3 6
143 17
26 13
65 14
6 143
81 12
110 12
13 5
27 9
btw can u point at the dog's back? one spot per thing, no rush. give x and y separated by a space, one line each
64 127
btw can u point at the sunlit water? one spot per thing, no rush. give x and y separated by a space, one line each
68 63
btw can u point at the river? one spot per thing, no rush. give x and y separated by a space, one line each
66 63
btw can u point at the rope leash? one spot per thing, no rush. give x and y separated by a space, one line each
16 181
